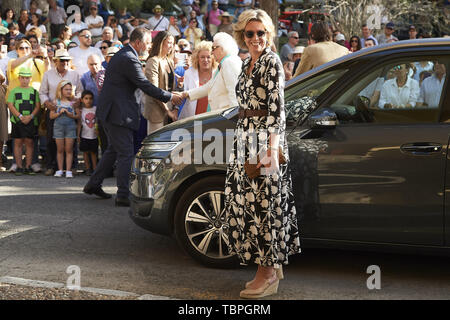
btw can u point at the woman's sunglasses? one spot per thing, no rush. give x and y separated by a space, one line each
251 34
397 68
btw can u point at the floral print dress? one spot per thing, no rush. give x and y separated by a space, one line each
260 212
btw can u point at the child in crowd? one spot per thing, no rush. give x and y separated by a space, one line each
65 126
87 131
23 103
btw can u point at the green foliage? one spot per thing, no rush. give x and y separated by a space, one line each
129 4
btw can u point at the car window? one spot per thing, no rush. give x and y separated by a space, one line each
403 91
299 98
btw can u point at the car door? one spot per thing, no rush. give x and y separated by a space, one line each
379 175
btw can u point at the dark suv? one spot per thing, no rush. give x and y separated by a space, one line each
368 171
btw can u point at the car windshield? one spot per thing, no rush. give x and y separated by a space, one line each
301 97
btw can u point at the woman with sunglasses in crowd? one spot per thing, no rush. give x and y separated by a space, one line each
260 210
355 44
193 33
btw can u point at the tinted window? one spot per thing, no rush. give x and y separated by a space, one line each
297 95
404 91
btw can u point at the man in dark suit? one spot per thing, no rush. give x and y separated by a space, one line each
119 113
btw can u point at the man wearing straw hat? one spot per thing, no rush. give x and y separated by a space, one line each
158 22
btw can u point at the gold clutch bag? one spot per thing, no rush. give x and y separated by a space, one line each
250 165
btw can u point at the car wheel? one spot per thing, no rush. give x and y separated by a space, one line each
200 224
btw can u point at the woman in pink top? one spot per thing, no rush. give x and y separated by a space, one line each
213 18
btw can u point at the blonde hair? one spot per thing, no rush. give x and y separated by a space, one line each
19 42
59 88
253 15
203 46
36 31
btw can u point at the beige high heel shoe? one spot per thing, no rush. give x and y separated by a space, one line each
268 288
279 272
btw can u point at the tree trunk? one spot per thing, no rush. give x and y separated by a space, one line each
271 7
13 4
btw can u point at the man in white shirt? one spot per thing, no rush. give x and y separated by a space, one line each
158 22
431 88
83 51
94 22
107 34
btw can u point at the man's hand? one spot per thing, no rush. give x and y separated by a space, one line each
177 98
50 105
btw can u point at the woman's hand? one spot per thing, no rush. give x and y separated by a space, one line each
173 114
270 163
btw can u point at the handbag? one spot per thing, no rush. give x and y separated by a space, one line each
250 165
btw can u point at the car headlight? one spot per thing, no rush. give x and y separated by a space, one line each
146 165
160 146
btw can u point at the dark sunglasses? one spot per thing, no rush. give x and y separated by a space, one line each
293 37
251 34
103 47
87 36
214 48
354 40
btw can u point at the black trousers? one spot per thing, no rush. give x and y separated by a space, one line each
120 148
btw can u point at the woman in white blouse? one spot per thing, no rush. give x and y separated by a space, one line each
401 91
221 89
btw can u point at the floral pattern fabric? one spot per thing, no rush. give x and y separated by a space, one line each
260 212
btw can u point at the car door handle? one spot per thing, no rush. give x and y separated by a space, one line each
421 148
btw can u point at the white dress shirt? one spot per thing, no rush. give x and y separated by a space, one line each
399 97
430 91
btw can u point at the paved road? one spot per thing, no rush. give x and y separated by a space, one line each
48 224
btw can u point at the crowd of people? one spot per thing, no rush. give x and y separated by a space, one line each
38 43
291 52
187 55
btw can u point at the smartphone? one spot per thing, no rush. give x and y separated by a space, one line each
181 58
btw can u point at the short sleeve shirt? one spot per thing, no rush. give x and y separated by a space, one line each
24 100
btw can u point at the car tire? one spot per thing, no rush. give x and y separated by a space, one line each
200 223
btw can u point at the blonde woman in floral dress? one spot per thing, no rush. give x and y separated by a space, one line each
260 212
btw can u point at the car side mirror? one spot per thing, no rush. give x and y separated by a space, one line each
324 118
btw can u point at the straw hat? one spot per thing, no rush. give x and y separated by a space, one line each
158 7
62 54
298 49
225 14
111 51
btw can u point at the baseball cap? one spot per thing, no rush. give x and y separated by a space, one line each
412 27
390 25
340 37
25 72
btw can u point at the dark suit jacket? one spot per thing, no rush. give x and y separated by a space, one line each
117 103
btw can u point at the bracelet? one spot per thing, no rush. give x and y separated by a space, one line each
20 116
32 116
